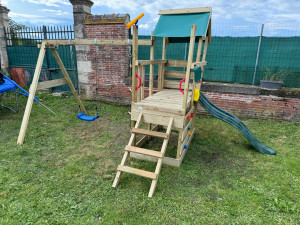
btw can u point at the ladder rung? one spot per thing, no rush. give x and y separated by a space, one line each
149 132
143 151
142 173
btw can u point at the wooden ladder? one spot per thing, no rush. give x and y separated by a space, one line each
159 155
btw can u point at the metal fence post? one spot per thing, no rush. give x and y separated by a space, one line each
258 51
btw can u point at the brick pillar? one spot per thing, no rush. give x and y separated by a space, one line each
81 9
4 23
110 67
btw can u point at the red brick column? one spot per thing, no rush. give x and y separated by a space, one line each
110 66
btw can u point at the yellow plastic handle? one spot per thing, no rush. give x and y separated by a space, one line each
196 95
128 25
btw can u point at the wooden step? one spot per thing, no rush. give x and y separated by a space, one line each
142 173
149 132
144 151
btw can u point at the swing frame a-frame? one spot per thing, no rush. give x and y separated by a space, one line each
35 85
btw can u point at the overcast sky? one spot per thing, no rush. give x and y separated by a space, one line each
238 12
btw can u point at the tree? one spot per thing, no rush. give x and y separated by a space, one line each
15 28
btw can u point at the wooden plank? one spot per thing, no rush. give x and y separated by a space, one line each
185 129
146 138
177 74
175 84
176 63
134 58
142 173
185 11
159 119
185 150
144 151
159 107
69 82
152 52
150 62
179 142
149 132
209 31
51 83
98 42
186 141
188 67
32 91
165 160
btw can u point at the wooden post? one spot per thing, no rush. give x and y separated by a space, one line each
32 91
69 82
143 83
152 48
134 58
204 54
138 92
162 75
188 67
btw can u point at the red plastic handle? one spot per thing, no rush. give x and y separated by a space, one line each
140 82
180 86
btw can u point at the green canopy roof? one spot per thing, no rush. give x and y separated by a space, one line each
180 25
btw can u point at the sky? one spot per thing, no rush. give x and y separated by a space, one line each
231 13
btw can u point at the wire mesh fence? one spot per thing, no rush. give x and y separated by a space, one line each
244 54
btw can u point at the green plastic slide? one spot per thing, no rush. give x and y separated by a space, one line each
235 122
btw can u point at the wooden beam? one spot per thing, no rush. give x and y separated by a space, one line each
177 74
142 173
97 42
144 151
51 83
165 160
185 11
188 67
175 84
69 82
32 91
176 63
149 132
150 62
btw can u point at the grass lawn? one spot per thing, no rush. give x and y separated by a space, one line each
64 171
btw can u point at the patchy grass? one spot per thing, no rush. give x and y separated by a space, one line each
64 171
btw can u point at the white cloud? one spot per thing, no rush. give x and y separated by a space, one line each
22 15
34 19
56 12
54 3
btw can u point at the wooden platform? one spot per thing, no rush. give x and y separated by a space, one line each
159 107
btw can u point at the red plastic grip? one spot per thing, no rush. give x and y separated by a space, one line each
140 82
180 86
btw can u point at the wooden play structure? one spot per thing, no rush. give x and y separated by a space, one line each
168 106
35 85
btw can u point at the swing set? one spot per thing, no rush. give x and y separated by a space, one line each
35 85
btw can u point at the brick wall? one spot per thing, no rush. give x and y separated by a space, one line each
110 66
252 106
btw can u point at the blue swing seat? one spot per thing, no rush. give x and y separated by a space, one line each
84 117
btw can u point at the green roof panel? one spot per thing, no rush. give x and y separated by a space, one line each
180 25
